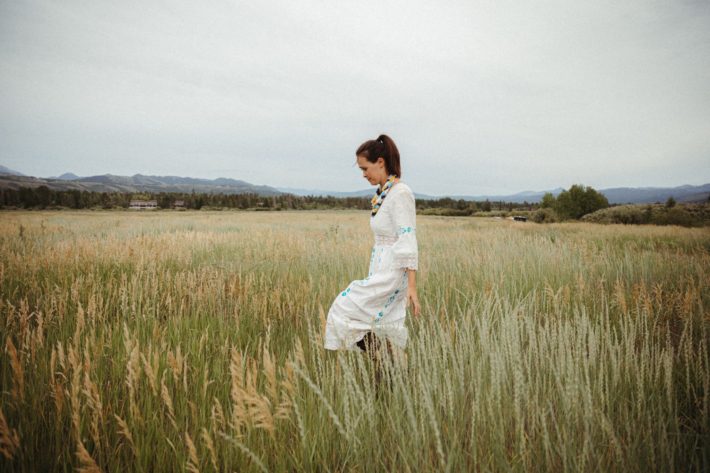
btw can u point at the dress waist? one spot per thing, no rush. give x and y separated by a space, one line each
385 240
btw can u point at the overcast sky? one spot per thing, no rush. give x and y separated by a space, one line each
480 96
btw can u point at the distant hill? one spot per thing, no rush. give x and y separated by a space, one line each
360 193
619 195
519 197
616 195
6 170
138 183
10 179
530 196
647 195
67 176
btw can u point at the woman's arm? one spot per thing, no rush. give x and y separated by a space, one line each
412 291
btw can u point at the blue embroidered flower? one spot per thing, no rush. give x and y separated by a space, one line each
403 230
391 299
345 292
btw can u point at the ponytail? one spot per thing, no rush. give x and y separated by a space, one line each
382 147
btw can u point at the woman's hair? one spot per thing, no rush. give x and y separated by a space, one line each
383 147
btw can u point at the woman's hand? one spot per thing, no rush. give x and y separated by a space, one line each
413 300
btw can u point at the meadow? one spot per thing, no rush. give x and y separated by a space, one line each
192 341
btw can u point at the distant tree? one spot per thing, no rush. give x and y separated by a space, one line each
165 201
548 201
486 206
44 197
578 201
105 200
75 201
647 214
670 202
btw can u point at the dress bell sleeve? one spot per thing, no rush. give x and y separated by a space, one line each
406 254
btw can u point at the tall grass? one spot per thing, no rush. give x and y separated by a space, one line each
193 341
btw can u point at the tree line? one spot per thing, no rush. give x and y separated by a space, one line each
570 204
42 197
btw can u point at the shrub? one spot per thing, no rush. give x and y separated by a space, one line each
545 215
657 214
674 216
442 211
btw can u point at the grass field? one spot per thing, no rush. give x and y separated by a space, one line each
192 341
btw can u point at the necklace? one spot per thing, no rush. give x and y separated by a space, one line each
382 193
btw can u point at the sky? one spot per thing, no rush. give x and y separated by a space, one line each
481 97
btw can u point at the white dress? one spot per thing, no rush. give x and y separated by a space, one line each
377 303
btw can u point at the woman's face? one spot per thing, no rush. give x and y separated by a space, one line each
375 173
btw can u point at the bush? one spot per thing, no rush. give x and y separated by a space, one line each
442 211
545 215
674 216
691 215
626 214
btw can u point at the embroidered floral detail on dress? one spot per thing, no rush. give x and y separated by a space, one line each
391 298
403 230
345 292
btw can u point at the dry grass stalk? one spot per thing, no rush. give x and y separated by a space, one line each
237 387
24 316
193 463
94 402
133 370
150 371
217 416
125 432
209 443
246 450
88 464
168 401
18 375
38 337
9 438
288 390
270 373
79 323
259 411
176 363
57 393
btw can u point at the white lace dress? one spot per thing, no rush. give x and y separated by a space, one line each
377 303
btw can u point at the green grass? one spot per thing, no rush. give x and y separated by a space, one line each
193 341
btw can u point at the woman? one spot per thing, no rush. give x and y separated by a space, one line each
373 309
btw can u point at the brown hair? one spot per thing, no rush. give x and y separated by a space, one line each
383 147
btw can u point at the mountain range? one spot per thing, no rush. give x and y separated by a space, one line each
10 179
135 183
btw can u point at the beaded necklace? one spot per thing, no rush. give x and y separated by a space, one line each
381 194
